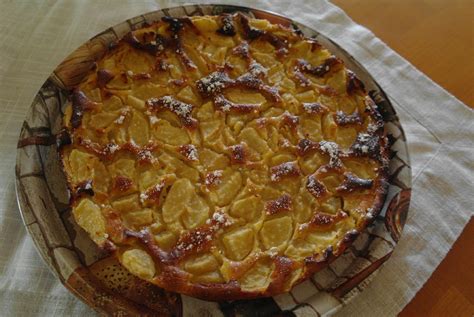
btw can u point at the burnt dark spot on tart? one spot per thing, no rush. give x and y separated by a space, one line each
374 112
317 261
177 24
284 170
297 30
354 84
194 241
281 204
315 187
213 84
314 108
178 82
306 146
213 178
187 62
242 50
257 70
181 109
328 252
154 46
106 152
283 269
366 145
199 239
302 79
80 103
153 193
225 105
325 221
281 45
238 154
249 31
251 82
343 119
109 149
84 188
161 65
122 183
327 91
352 183
144 155
141 76
320 70
290 120
227 27
103 77
91 147
315 45
350 236
189 151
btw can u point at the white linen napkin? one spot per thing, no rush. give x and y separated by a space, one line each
35 37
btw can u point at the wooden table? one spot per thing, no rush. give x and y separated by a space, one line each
437 37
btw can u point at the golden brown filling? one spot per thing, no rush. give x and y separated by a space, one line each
224 148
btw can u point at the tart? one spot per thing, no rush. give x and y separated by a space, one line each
223 157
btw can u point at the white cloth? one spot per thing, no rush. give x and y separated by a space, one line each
35 37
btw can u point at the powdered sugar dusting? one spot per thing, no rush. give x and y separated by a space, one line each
315 187
273 252
367 144
285 143
145 155
237 153
219 220
181 109
213 178
120 119
111 148
194 241
372 128
314 107
257 69
332 149
143 197
189 151
284 170
303 226
219 217
154 119
123 115
213 83
282 203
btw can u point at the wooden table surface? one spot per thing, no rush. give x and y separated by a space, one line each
437 37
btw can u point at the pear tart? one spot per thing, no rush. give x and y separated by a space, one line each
223 157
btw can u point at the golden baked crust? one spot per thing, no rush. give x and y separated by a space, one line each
223 157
